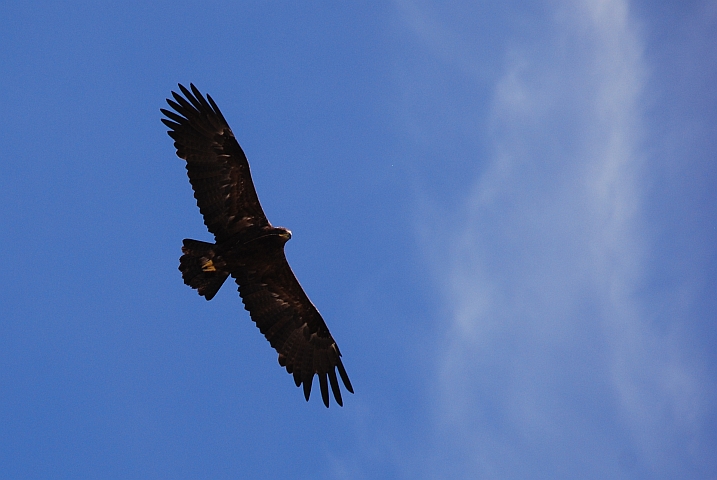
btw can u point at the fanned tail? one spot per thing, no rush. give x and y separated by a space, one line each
202 269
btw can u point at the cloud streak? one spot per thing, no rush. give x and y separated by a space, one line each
553 367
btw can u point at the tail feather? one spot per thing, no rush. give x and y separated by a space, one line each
202 269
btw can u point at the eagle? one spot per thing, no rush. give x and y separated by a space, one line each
247 246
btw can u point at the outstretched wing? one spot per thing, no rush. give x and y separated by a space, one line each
216 165
292 324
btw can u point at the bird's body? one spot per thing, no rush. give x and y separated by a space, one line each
247 246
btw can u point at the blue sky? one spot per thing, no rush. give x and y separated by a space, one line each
506 213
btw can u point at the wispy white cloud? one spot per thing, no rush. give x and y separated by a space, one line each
552 367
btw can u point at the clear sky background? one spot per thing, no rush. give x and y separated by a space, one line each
505 211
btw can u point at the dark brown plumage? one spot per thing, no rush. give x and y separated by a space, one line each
247 246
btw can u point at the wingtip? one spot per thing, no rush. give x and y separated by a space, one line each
335 387
344 376
184 89
307 388
323 385
196 91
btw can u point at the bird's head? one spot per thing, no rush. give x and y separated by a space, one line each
284 233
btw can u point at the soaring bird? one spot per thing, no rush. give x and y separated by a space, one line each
247 246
